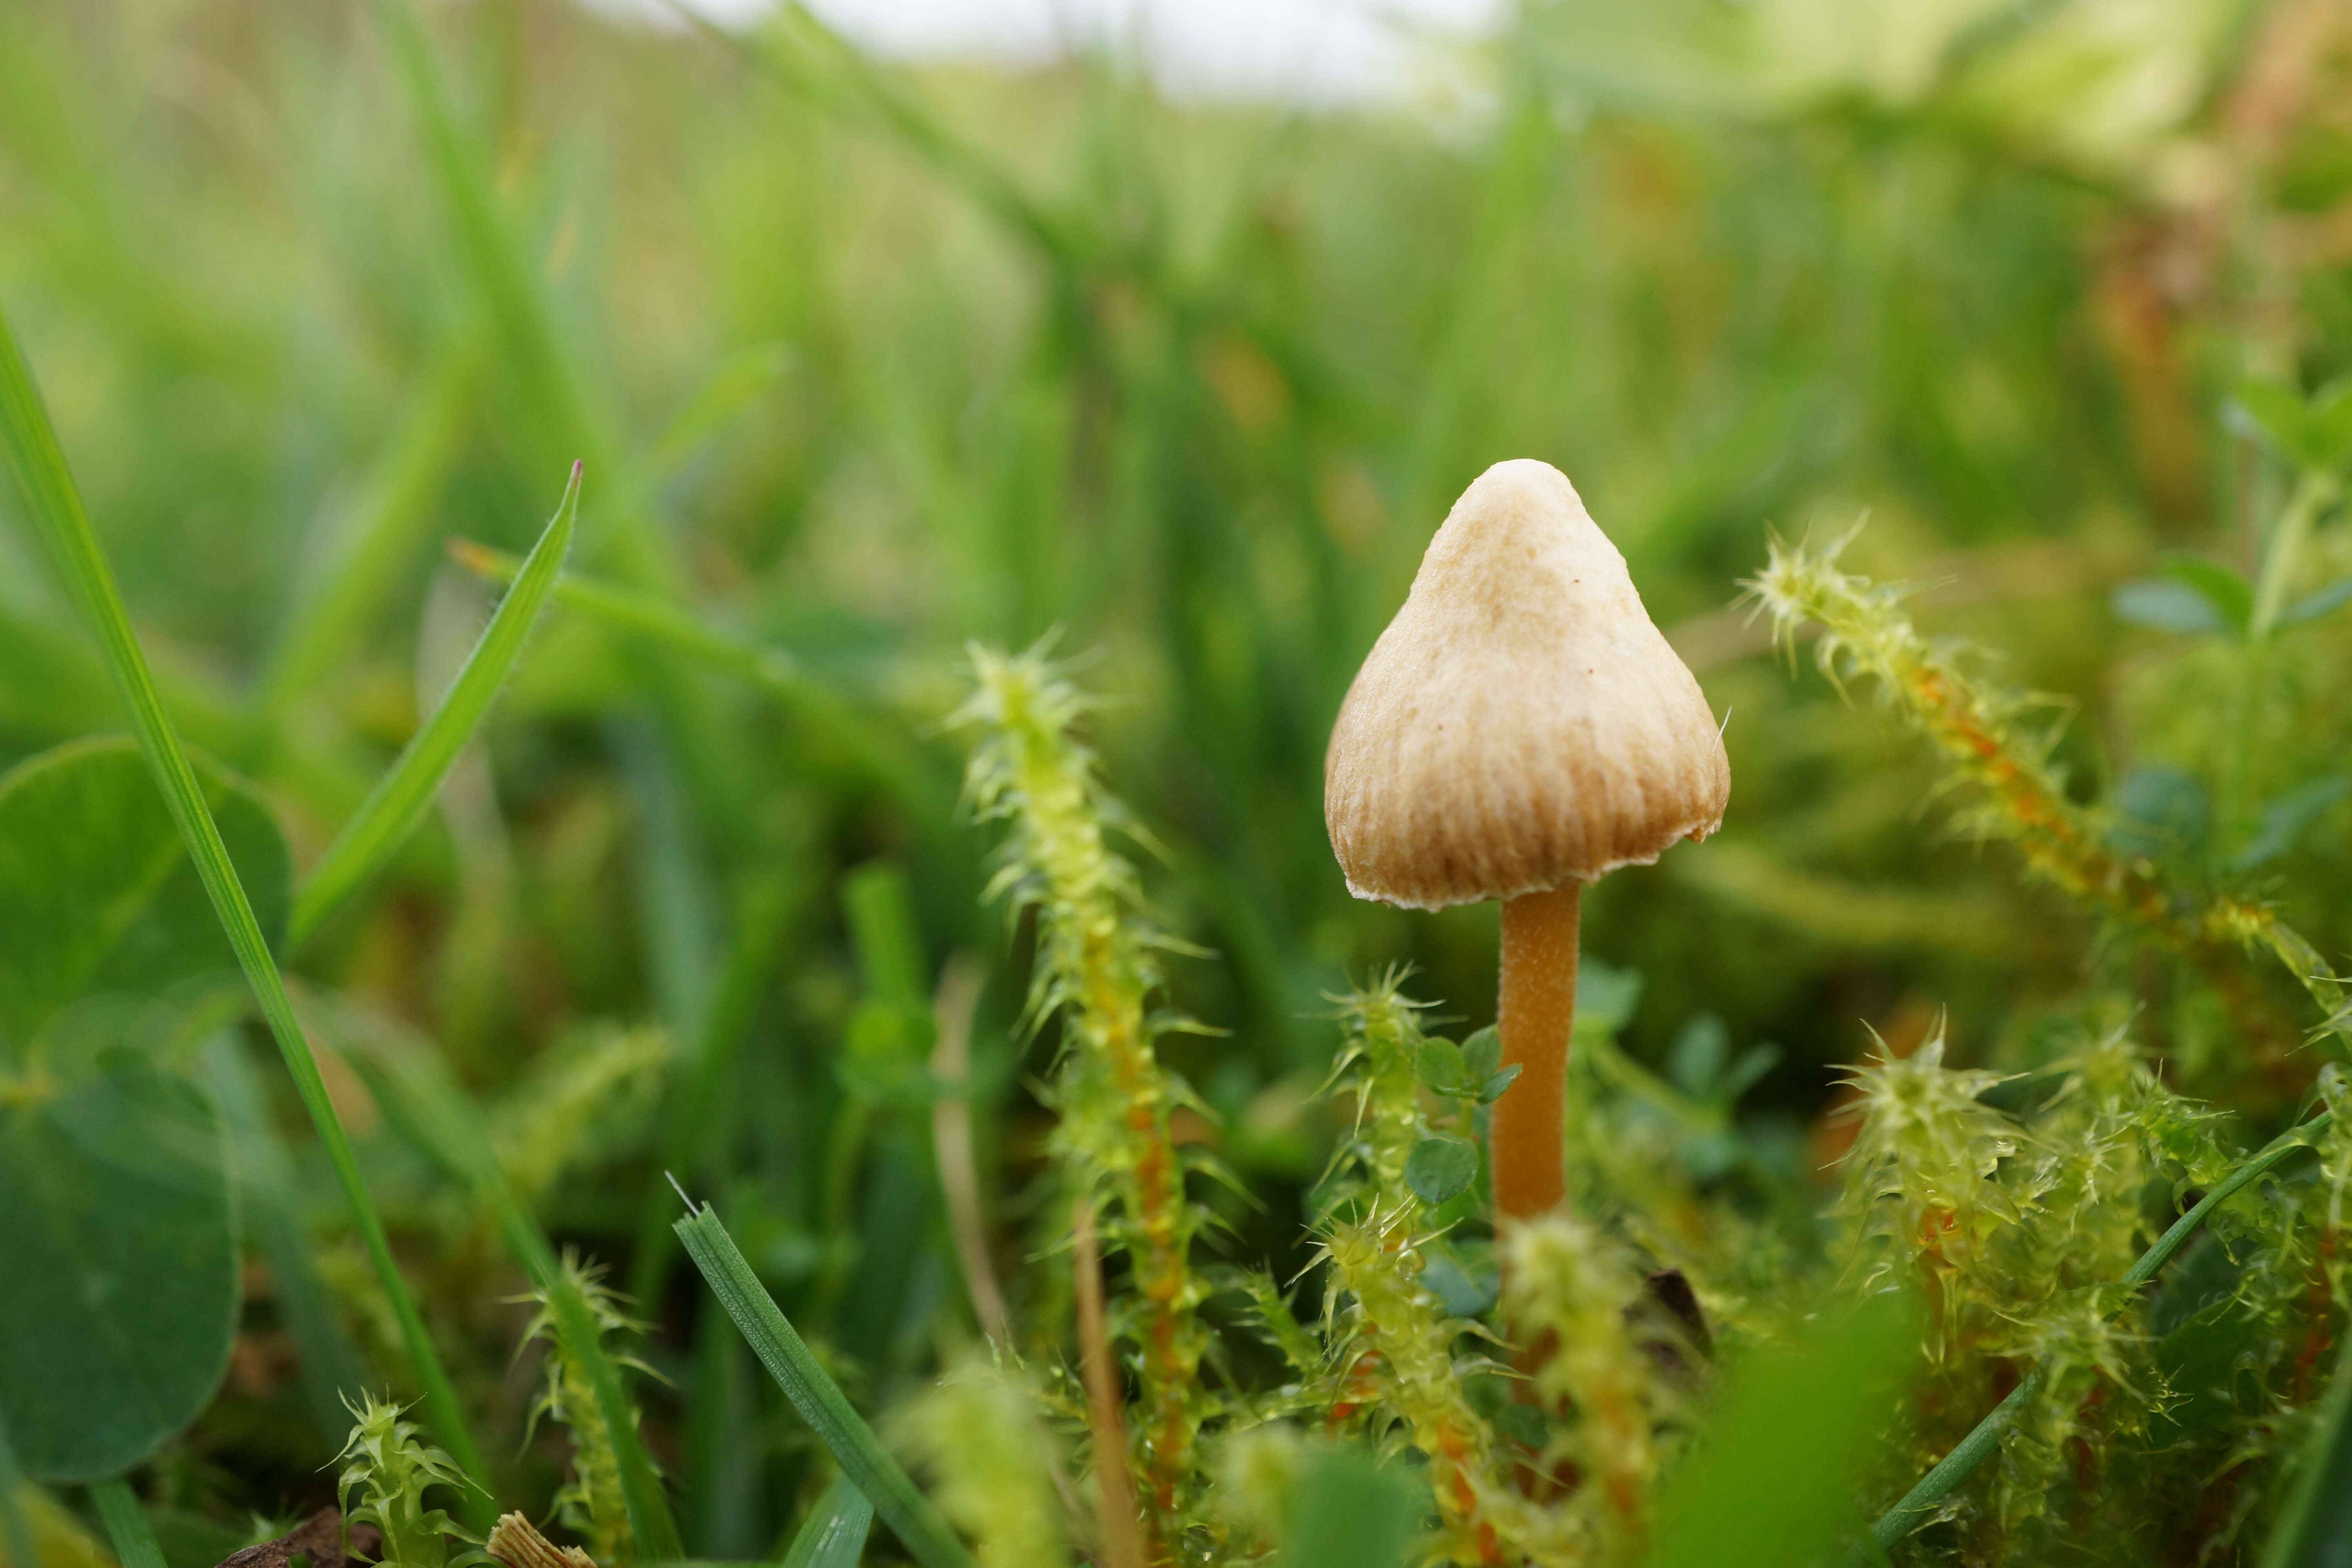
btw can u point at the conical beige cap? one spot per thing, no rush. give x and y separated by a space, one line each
1521 724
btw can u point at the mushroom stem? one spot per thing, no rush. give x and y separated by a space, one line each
1534 1017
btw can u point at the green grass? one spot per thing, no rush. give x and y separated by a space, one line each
870 365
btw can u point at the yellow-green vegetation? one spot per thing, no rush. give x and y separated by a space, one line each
516 524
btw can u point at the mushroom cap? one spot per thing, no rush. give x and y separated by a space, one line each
1521 724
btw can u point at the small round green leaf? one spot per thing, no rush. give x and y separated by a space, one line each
1441 1169
1482 1053
1438 1064
1491 1089
96 891
118 1297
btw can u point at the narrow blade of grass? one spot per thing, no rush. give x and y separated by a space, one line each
529 339
401 796
16 1530
331 1367
816 1396
834 1535
428 1104
895 766
1923 1499
58 512
2314 1530
385 520
126 1525
773 902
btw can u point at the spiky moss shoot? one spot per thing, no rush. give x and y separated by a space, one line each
387 1470
1098 969
1595 1342
1379 1064
591 1503
1917 1192
1981 731
1399 1372
2016 1230
980 1434
586 1093
1404 1380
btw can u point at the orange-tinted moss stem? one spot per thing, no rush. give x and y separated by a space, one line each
1537 1013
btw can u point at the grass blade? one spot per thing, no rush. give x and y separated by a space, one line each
391 509
64 525
1923 1499
429 1104
816 1396
126 1525
331 1366
775 900
834 1535
16 1530
919 788
2314 1530
384 819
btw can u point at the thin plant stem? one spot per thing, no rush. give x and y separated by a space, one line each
1116 1527
58 512
951 1009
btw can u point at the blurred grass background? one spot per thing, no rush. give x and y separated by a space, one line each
869 361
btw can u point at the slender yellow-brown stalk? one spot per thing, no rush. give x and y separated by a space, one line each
1535 1017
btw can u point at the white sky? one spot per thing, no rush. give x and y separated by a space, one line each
1323 51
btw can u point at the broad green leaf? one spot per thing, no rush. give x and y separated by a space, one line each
2274 413
1753 1064
2314 1528
97 890
1440 1169
55 509
2159 810
2333 597
2330 424
835 1534
392 809
1697 1057
1351 1511
816 1396
2284 819
1771 1482
1606 997
117 1303
2231 596
2164 604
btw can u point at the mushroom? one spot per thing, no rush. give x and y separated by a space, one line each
1519 730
